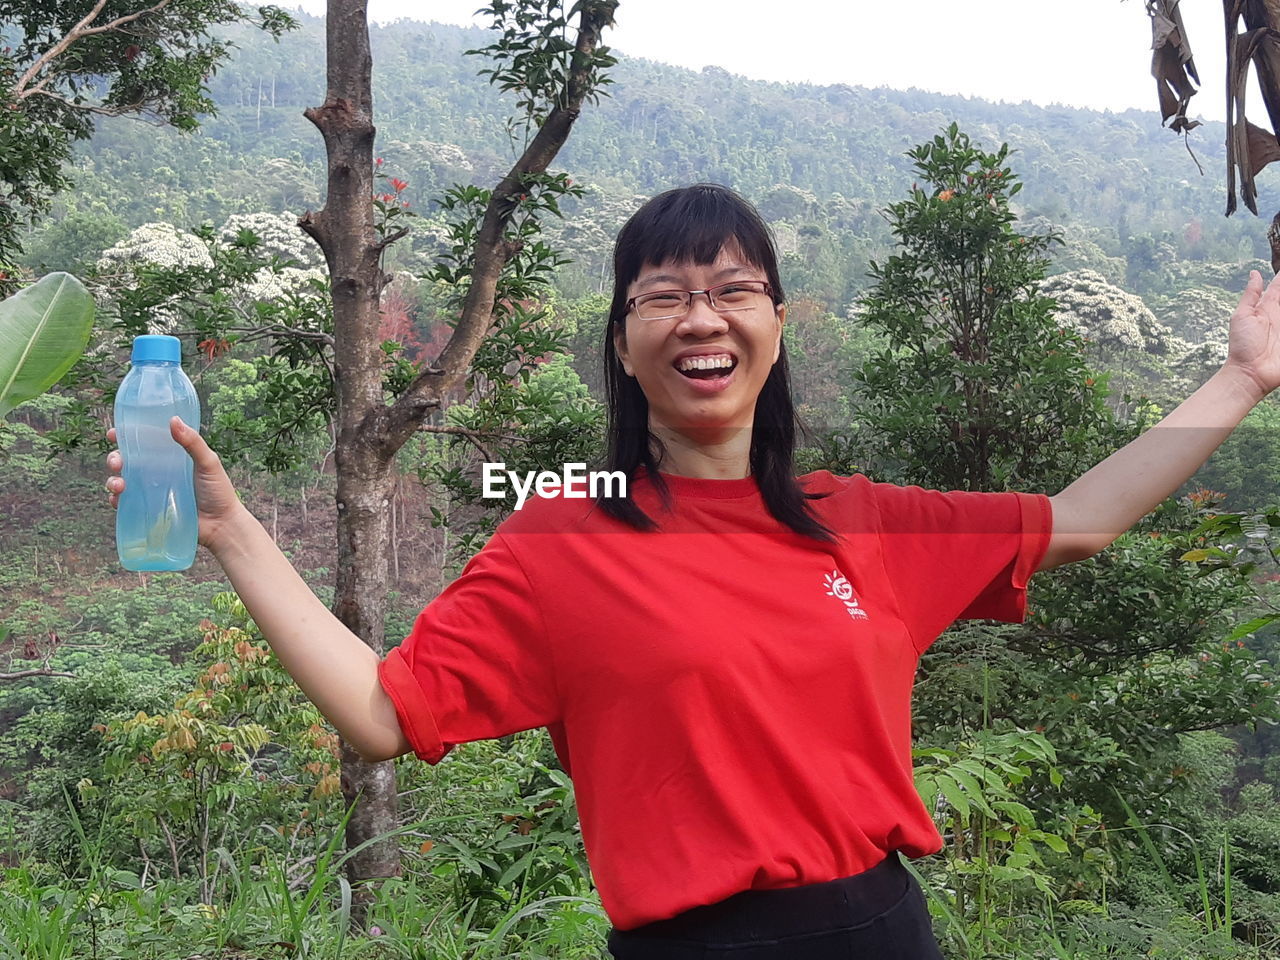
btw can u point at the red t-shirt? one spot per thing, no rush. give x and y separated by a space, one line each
732 699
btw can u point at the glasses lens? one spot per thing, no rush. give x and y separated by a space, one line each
661 305
738 296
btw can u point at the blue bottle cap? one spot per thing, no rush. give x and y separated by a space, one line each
156 347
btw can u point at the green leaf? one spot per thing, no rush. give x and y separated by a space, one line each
1253 626
43 331
1017 812
955 796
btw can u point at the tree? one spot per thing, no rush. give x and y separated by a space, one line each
326 360
1122 335
551 77
1123 653
980 387
71 61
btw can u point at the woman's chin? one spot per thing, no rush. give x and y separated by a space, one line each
705 429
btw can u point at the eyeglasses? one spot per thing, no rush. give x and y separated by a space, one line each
723 297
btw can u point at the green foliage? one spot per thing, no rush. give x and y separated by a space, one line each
242 747
43 331
25 450
1246 468
995 854
534 57
152 63
979 388
75 241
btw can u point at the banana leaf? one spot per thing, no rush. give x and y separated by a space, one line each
43 332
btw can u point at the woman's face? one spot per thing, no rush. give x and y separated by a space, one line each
661 354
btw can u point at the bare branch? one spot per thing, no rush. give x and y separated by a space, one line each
36 672
114 111
80 30
272 330
493 250
390 238
465 432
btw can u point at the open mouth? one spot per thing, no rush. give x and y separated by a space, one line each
706 368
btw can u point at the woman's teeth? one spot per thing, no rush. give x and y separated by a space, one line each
705 363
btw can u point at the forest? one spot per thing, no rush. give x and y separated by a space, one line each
980 296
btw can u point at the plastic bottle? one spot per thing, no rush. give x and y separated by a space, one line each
156 523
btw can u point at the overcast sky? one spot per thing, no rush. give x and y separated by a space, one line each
1013 50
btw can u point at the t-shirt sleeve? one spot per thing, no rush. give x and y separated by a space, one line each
960 555
476 664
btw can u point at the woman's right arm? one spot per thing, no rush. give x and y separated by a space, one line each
335 669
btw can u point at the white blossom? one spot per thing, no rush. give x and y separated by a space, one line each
289 281
156 244
1105 314
278 235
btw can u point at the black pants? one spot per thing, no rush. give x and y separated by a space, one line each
877 915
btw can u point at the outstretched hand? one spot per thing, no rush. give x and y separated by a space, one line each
1253 346
216 499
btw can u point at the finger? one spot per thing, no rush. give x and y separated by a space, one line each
1252 291
1251 297
201 455
191 441
115 463
1273 290
111 434
115 486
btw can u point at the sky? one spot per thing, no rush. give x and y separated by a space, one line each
1012 50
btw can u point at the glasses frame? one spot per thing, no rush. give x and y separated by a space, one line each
690 294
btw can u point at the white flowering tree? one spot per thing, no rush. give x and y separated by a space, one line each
1198 314
1122 334
155 244
151 246
276 235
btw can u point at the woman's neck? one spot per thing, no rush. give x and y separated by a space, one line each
705 455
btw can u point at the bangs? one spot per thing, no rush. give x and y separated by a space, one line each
692 225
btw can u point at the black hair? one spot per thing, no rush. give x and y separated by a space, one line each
692 225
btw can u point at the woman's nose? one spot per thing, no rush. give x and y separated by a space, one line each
701 318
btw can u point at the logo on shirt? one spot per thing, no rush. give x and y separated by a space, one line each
839 587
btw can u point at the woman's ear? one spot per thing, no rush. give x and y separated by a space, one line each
620 347
781 311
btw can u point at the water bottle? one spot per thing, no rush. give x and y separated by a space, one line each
156 523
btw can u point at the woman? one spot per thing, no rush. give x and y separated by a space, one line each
724 656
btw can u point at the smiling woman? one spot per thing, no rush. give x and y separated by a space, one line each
720 653
682 248
723 655
720 340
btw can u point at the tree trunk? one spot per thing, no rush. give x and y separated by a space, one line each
395 535
369 433
345 231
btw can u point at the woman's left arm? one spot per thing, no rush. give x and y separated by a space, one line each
1114 495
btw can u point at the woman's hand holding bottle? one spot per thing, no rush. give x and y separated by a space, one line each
216 499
